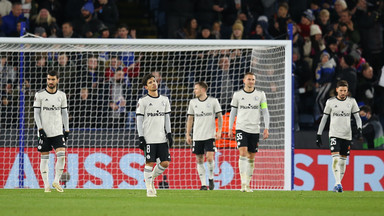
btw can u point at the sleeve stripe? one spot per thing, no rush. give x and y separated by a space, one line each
37 107
234 107
190 115
139 114
218 112
64 107
356 112
326 113
168 113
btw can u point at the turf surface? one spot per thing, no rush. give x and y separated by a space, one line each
88 202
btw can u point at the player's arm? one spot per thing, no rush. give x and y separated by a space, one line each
168 128
232 117
64 115
188 131
323 121
264 110
219 125
37 117
358 124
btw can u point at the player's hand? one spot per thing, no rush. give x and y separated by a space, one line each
218 135
142 143
170 139
318 141
265 134
231 135
359 133
188 139
42 134
66 134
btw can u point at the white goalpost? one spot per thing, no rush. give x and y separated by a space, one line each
102 80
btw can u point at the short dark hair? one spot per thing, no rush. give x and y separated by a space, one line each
342 83
202 84
53 73
249 73
146 78
366 109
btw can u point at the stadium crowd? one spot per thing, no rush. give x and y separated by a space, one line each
332 40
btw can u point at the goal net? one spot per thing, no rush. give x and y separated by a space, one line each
102 81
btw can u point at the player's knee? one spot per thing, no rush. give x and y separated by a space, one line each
164 164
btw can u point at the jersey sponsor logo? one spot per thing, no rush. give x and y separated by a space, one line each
341 114
157 113
53 108
250 106
203 114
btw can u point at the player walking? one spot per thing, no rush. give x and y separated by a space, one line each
154 128
202 112
340 109
247 104
50 113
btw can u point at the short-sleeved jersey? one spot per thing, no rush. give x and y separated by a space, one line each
204 113
340 112
154 109
50 105
249 105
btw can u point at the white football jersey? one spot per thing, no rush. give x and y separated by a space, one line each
154 109
340 112
249 105
204 113
50 105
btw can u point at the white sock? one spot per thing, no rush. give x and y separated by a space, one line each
44 169
336 168
342 165
158 170
251 167
148 176
211 167
243 166
202 175
60 164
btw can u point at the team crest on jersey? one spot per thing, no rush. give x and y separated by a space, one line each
256 98
336 106
349 105
208 105
163 103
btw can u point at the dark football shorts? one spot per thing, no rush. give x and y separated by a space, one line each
249 140
342 146
200 147
154 151
51 142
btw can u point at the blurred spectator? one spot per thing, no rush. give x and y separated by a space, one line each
5 7
261 30
36 73
82 110
107 12
315 7
324 22
55 8
365 86
72 10
313 47
206 13
370 22
332 49
45 20
122 32
296 9
278 26
325 73
40 31
177 15
7 73
89 75
297 40
9 26
118 96
114 64
216 28
348 28
189 31
228 16
67 73
104 32
9 107
87 26
339 7
307 19
237 31
348 73
67 31
372 129
205 33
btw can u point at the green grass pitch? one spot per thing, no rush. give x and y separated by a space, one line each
85 202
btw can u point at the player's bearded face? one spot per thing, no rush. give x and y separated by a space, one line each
342 92
52 81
